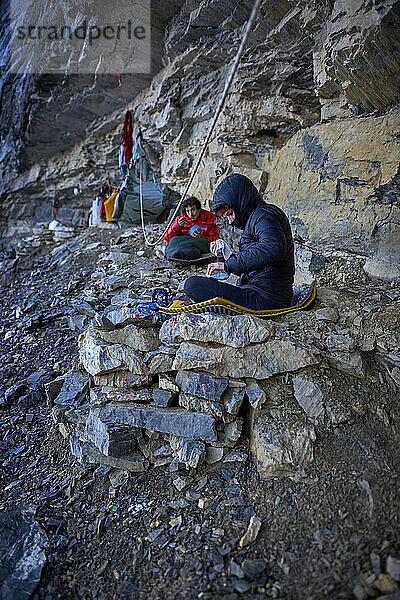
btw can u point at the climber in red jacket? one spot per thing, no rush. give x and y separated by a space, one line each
191 232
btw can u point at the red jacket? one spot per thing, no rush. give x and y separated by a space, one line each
205 221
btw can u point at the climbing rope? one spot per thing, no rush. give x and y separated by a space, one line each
228 83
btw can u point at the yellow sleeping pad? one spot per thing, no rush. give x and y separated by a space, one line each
303 297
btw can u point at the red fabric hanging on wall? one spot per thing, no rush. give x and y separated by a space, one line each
126 138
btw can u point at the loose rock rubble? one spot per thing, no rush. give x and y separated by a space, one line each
150 449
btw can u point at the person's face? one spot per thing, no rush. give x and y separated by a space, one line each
192 212
230 216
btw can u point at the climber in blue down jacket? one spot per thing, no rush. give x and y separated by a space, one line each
265 261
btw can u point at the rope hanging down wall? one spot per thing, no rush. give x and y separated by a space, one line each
228 83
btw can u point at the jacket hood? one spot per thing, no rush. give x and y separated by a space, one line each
238 192
206 216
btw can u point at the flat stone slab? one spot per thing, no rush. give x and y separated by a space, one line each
310 397
100 396
381 269
132 336
99 357
160 360
121 316
255 394
163 398
202 385
176 421
208 407
167 382
237 331
69 390
347 362
214 454
122 379
111 439
86 451
189 452
259 361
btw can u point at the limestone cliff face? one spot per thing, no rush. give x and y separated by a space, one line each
311 118
340 183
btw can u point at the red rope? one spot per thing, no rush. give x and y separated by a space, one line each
121 85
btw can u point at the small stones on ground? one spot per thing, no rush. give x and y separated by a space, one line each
235 570
253 568
118 478
375 563
393 567
180 483
176 522
214 454
241 586
251 533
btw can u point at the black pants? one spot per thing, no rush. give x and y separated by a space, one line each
204 288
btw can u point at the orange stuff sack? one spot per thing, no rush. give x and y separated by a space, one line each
109 205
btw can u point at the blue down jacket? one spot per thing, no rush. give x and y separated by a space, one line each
265 260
